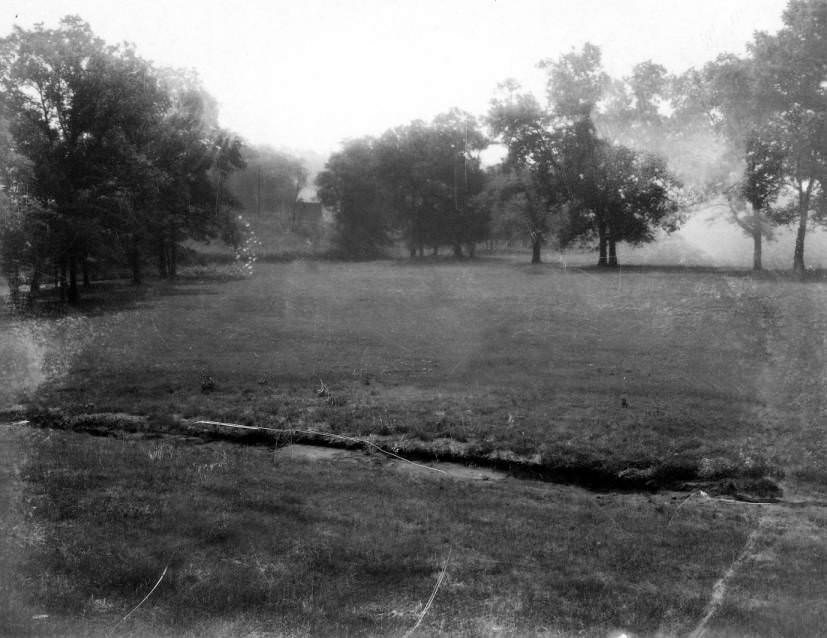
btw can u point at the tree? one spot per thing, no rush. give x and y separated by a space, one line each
636 197
125 108
24 236
631 110
119 153
615 193
791 67
432 174
351 187
43 81
727 91
601 191
533 178
576 82
456 178
618 195
196 158
403 160
518 206
751 198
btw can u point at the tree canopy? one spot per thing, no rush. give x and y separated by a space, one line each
109 160
421 180
596 188
117 158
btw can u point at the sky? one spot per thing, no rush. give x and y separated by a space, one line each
307 74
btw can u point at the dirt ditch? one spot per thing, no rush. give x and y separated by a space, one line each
678 474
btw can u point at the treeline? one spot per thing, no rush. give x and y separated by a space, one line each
109 162
419 180
424 183
605 160
106 160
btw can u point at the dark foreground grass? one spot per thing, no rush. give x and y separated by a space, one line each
262 545
716 369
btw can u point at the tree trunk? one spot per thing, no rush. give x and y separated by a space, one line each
412 250
756 247
612 253
84 265
602 259
34 284
62 279
13 279
472 250
536 244
73 295
135 261
163 272
173 258
172 255
804 194
798 257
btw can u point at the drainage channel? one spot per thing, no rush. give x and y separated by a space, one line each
591 475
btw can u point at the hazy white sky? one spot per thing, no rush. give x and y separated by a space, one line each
309 73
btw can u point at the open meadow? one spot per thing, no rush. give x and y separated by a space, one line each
630 366
473 319
666 391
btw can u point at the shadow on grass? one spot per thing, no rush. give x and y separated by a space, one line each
111 296
810 276
522 261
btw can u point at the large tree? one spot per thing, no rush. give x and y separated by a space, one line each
44 89
432 173
791 67
196 158
456 166
124 109
603 191
518 207
351 187
403 160
727 91
532 184
635 197
119 153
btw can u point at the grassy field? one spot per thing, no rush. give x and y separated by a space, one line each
260 545
709 369
623 366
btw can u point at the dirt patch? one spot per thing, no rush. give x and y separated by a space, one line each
313 452
454 470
